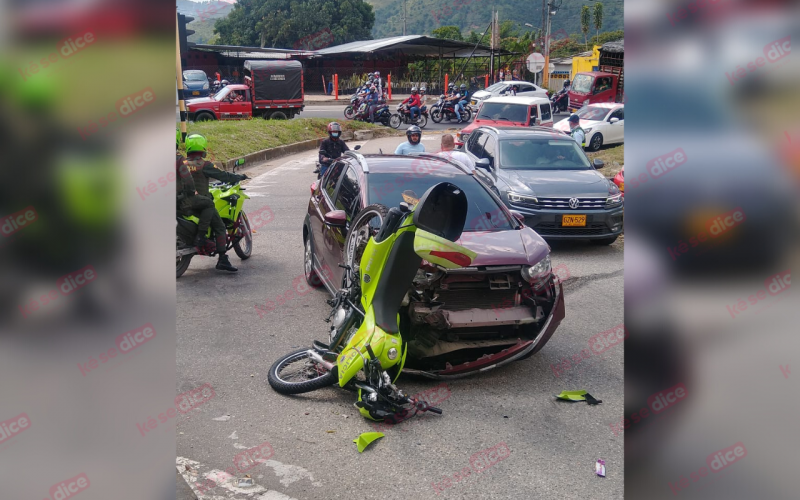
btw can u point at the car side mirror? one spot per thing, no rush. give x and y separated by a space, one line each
483 163
336 218
598 163
357 147
518 215
613 120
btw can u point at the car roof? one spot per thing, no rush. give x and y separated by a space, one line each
402 164
527 101
514 82
608 105
517 132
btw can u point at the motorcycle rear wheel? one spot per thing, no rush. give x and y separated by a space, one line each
395 121
422 121
182 262
436 115
245 251
349 112
309 376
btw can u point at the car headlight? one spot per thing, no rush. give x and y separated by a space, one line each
537 275
205 86
521 198
615 199
587 130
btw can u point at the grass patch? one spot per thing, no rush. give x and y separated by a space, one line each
614 158
235 138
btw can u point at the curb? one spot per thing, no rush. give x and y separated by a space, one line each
297 147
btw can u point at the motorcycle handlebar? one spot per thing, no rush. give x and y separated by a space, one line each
435 410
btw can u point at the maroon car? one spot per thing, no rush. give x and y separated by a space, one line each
502 308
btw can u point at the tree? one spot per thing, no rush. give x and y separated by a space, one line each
448 32
598 17
586 20
284 23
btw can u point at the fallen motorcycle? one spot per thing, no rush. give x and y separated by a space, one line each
229 200
366 350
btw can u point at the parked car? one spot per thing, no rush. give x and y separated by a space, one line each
526 89
547 177
502 308
603 123
619 180
509 112
272 89
195 83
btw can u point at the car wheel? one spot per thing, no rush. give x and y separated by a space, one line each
308 265
204 117
605 241
595 143
277 115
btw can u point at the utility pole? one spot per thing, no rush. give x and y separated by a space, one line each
491 56
404 17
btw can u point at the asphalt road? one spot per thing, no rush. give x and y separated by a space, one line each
222 341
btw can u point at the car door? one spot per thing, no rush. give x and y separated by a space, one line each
616 131
526 90
546 114
324 203
348 198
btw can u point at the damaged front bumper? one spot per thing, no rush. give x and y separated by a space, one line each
519 315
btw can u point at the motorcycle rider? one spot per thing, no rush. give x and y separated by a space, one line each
453 97
203 202
331 148
413 144
373 101
414 103
576 132
378 83
464 94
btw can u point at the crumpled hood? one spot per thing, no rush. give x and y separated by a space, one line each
512 247
558 183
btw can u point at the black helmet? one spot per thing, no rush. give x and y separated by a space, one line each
463 86
573 118
413 129
566 82
334 131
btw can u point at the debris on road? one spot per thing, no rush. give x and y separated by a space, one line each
366 439
600 468
575 396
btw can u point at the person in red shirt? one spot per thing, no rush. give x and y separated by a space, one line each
414 103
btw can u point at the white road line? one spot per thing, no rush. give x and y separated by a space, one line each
224 488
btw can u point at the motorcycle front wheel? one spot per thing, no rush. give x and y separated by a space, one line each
349 112
395 121
297 373
244 247
436 115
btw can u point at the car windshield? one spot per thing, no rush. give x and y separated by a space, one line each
219 96
496 87
582 83
194 76
542 154
503 112
595 113
484 214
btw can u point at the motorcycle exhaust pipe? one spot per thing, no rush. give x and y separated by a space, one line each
316 357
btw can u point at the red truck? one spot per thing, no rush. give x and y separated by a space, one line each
606 85
271 89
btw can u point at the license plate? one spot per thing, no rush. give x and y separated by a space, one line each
573 220
196 92
472 102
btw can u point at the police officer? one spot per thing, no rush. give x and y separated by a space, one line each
203 202
184 187
576 132
331 148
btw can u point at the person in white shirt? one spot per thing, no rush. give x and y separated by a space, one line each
448 151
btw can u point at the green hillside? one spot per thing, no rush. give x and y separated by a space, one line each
426 15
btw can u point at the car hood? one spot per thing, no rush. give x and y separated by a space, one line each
492 123
558 183
481 94
563 125
200 100
512 247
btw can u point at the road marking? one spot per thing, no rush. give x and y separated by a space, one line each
199 482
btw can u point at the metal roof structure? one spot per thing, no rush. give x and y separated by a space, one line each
617 46
411 45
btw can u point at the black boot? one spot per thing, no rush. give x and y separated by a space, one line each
223 264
